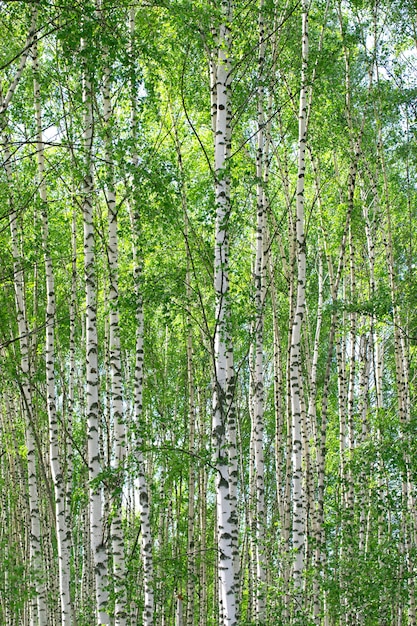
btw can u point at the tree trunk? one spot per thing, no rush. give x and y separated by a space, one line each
224 437
116 393
58 477
296 390
97 530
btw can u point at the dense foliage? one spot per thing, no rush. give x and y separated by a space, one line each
109 190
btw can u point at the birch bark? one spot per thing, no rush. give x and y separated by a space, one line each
116 386
142 482
223 430
97 531
138 415
38 614
191 567
257 436
57 473
299 504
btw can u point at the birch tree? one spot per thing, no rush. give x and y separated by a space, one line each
119 430
296 388
223 428
138 413
38 608
97 529
58 479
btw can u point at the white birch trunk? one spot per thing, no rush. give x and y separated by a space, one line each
38 606
142 482
72 361
191 478
191 443
299 504
224 432
312 419
98 542
144 503
190 606
258 367
57 473
202 514
116 393
179 611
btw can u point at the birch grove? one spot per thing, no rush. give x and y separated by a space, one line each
208 331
